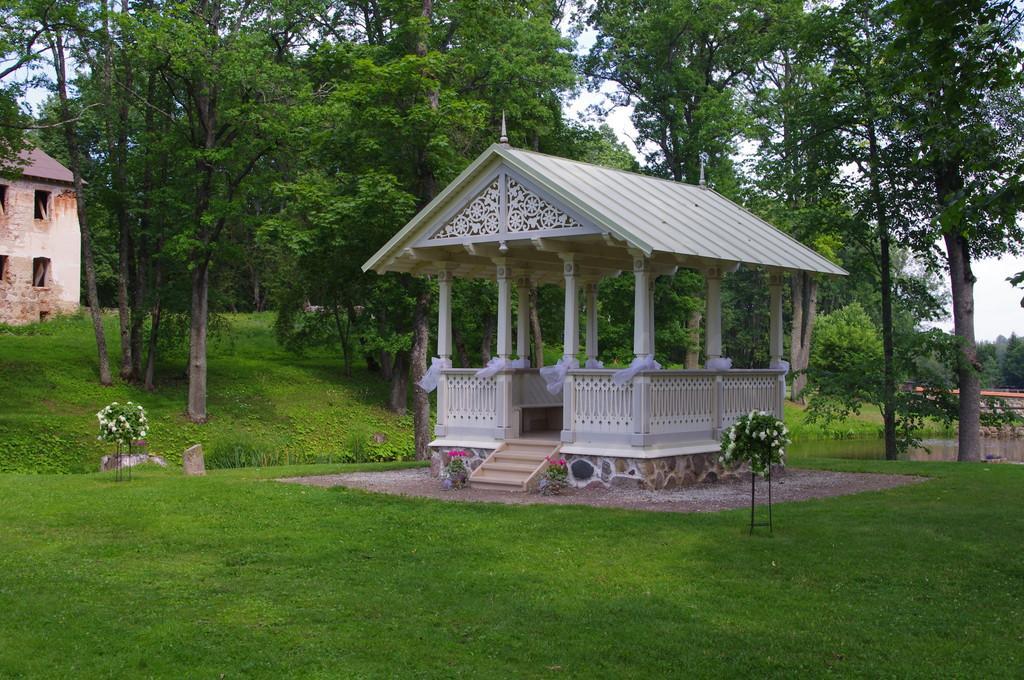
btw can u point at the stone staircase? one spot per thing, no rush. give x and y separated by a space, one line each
515 466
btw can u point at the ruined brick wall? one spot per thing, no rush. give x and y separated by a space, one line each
24 238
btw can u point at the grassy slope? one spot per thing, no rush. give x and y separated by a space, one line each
233 575
258 392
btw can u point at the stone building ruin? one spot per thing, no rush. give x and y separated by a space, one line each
40 243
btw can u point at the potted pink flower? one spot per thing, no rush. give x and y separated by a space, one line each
556 477
456 473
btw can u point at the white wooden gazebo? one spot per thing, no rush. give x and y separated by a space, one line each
525 218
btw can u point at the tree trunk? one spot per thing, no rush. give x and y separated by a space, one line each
154 330
485 342
427 191
885 270
460 347
420 397
805 313
145 257
138 316
961 279
399 398
197 344
113 126
538 338
123 277
693 353
343 326
75 160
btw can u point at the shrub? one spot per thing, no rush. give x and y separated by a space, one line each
241 452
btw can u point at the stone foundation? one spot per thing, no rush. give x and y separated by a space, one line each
645 473
439 457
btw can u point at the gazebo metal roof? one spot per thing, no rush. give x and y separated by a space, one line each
603 215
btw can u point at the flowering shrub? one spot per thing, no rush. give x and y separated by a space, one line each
555 477
122 424
456 472
758 438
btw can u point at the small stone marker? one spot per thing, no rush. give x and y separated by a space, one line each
193 462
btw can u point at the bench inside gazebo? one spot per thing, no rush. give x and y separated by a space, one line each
524 218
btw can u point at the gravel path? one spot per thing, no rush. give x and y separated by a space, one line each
793 485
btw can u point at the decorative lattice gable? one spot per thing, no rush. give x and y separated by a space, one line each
507 208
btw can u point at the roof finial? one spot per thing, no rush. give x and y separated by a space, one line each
504 133
703 159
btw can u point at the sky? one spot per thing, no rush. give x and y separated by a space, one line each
997 304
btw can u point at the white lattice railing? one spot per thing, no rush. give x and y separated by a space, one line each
470 402
680 402
600 406
746 391
656 405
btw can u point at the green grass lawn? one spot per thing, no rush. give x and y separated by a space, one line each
235 576
260 396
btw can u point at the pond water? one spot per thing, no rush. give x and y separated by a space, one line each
874 448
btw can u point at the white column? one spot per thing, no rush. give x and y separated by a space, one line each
713 314
641 308
775 327
571 338
591 321
444 314
504 311
444 346
523 319
503 380
650 311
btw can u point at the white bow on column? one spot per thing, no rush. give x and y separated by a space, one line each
494 366
433 375
719 364
645 363
554 376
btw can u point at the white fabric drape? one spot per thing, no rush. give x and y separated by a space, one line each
783 364
594 363
431 378
719 364
554 376
494 366
639 364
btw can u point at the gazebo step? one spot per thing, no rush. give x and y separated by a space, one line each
517 467
489 474
487 485
514 467
521 456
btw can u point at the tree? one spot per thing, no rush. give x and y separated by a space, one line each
60 26
960 78
797 169
228 74
1013 363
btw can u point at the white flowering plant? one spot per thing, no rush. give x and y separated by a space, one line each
122 424
757 438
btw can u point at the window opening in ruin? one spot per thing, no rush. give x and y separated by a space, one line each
3 199
42 209
40 272
43 316
3 268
